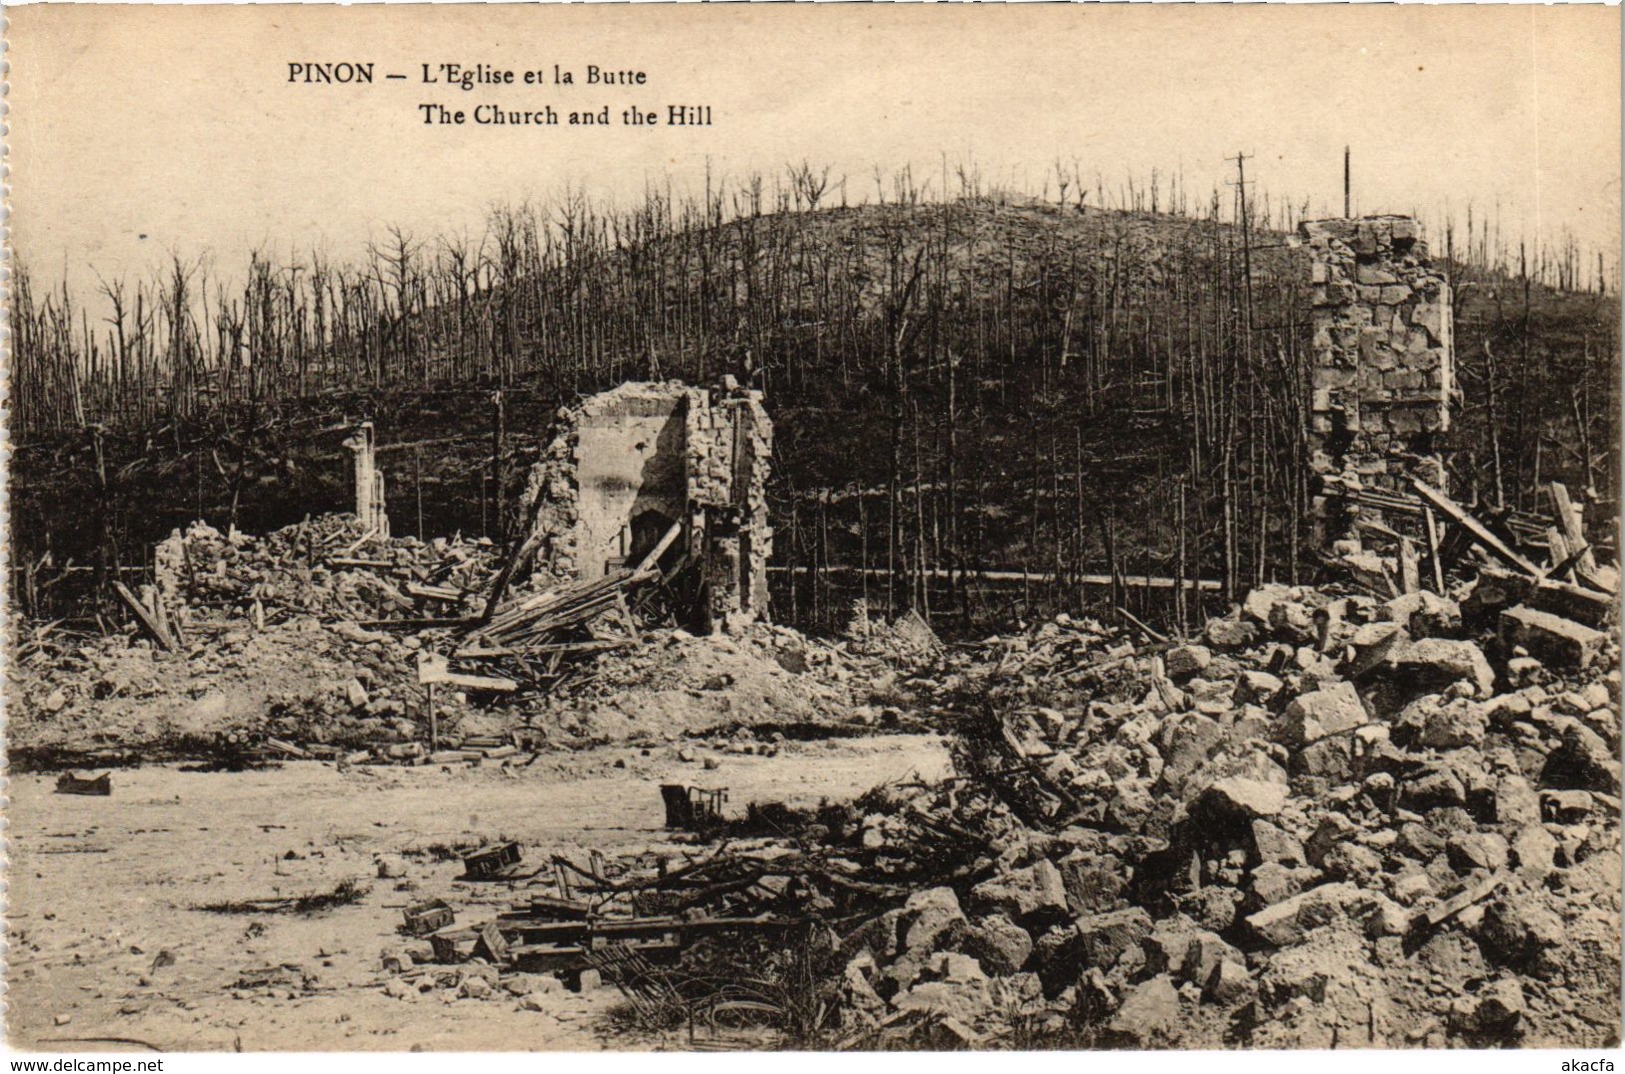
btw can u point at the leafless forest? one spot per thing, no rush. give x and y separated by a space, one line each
1066 391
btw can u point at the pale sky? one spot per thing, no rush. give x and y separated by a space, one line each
138 129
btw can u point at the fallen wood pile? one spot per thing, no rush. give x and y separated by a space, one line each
533 637
1502 539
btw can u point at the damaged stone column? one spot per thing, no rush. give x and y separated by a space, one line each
369 481
629 463
1382 358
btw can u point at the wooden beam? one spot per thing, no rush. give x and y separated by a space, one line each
150 624
1131 581
1568 520
1479 532
659 550
1559 546
1431 524
433 668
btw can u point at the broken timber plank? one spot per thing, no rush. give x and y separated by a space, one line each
433 592
1480 533
149 623
1410 573
1568 520
1431 525
1558 544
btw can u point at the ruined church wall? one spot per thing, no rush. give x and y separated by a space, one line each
669 448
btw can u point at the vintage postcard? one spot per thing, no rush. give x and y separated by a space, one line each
812 527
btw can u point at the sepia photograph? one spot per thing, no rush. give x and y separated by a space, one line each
812 528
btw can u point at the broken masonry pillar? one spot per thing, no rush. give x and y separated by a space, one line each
1382 365
369 481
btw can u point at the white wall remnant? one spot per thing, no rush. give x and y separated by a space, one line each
629 463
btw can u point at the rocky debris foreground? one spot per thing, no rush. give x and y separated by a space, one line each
1331 822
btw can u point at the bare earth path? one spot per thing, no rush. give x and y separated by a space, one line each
100 886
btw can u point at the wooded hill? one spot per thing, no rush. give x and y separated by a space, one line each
1053 390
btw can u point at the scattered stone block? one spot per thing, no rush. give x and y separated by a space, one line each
1552 639
1184 661
1032 895
999 944
1331 710
1149 1017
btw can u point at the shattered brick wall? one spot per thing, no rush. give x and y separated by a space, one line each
1382 354
629 462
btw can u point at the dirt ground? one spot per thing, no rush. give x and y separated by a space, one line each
108 938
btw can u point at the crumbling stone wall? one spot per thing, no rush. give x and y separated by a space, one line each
1382 354
629 462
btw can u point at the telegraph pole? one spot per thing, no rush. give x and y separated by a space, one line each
1348 201
1246 234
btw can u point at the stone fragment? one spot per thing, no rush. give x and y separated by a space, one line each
1230 633
999 944
1434 663
1093 884
1187 742
1520 932
1286 922
927 915
1469 851
965 1001
1184 661
1273 882
1243 799
1500 1005
1032 895
1257 688
1534 849
1353 862
1432 790
1229 983
1424 614
1583 761
1516 801
1149 1017
1102 938
1319 713
1456 723
1273 844
1550 638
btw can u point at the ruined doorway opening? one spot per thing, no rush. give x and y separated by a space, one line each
645 532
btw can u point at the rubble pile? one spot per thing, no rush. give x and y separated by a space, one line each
1331 822
325 566
758 917
677 683
323 640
